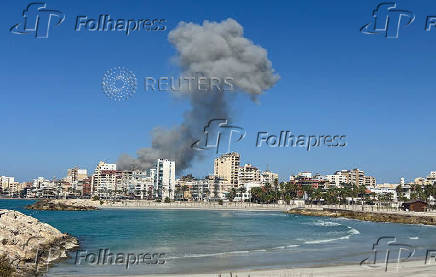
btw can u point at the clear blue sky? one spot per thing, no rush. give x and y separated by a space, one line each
379 92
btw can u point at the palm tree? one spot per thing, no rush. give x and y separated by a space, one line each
428 191
184 189
232 194
177 192
282 190
400 193
242 190
317 194
207 192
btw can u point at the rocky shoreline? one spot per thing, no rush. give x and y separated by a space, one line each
60 205
29 246
368 216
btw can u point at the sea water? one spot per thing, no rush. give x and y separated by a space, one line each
204 241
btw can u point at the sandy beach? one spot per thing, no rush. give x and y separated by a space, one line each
246 206
410 268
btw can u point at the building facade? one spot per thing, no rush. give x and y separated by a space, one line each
248 174
165 180
226 167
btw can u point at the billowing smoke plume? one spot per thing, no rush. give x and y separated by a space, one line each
216 50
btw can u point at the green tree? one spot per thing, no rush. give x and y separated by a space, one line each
400 193
184 189
257 195
232 194
242 190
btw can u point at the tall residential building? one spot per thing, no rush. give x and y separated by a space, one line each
227 167
248 174
354 177
104 179
165 180
5 182
336 179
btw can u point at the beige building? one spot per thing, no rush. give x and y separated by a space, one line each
268 177
248 174
226 167
370 181
354 177
75 175
217 187
5 182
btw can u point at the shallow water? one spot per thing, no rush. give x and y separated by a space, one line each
194 241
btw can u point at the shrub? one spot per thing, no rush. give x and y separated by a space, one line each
220 202
167 200
95 198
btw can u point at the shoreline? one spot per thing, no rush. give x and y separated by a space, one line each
251 209
364 213
386 217
407 268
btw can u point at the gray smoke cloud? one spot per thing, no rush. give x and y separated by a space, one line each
216 50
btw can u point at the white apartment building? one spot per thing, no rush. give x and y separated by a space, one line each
41 182
226 167
431 178
384 189
142 183
305 174
268 177
247 194
165 180
5 182
104 179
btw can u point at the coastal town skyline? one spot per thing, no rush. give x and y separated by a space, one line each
282 177
231 178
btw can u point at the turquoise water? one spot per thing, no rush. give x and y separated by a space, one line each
195 241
